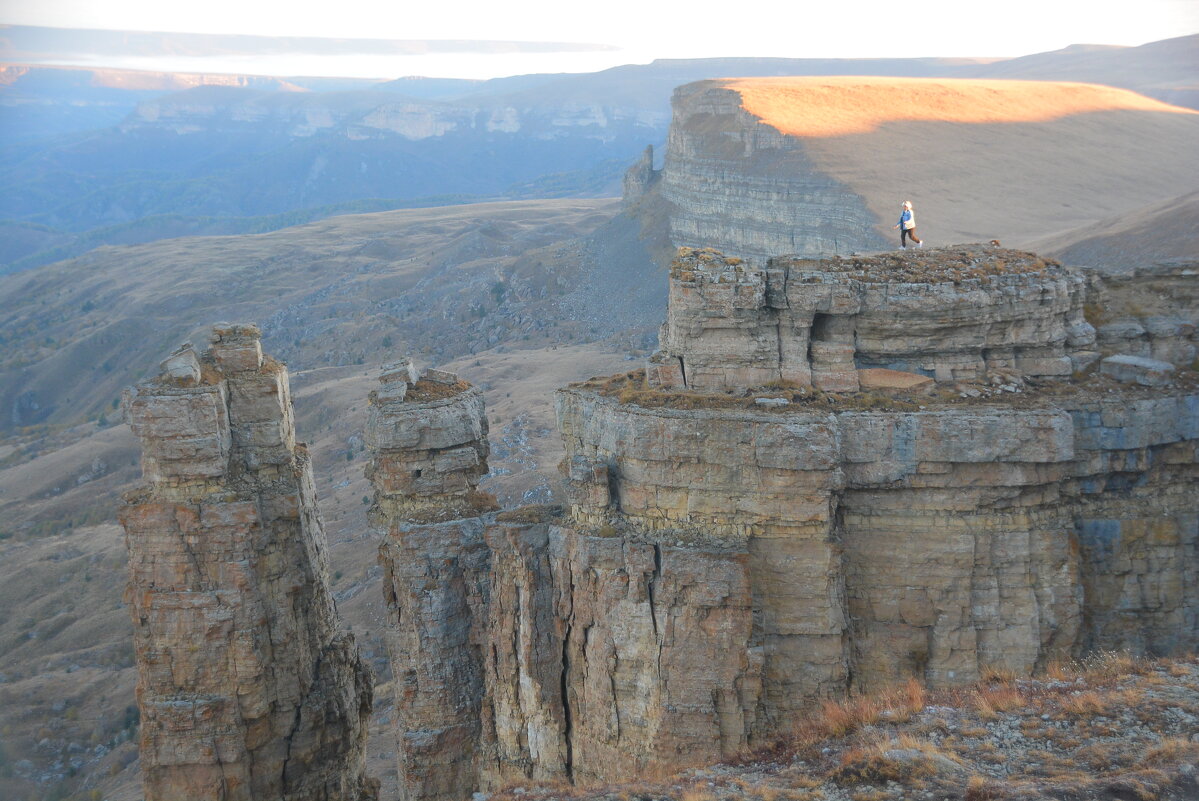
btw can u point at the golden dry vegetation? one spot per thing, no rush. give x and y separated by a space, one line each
1107 727
828 106
985 159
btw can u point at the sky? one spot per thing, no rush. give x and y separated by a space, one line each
641 31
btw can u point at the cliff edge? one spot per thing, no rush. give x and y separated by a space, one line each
757 167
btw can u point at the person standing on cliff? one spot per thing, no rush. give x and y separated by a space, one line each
907 227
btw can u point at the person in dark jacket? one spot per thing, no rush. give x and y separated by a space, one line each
907 227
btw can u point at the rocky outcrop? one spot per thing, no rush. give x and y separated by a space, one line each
1150 312
431 445
745 537
746 188
524 648
951 313
247 686
928 543
639 178
428 438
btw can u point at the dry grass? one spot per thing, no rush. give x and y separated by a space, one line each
1172 750
1141 149
1106 665
897 704
991 702
981 788
535 513
840 106
903 758
1085 704
997 674
937 740
632 388
697 794
424 391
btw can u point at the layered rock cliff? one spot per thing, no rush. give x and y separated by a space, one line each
524 648
748 189
732 556
949 313
760 167
248 687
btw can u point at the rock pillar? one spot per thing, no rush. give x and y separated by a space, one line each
248 688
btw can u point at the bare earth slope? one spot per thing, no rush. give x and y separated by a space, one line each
1164 232
980 159
984 159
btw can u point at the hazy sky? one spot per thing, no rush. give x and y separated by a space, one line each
645 30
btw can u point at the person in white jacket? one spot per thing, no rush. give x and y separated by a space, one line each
907 227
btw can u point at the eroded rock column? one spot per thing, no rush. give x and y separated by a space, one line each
248 688
428 438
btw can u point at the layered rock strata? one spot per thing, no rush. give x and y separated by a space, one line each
746 188
726 564
881 545
951 313
524 648
248 687
430 445
1151 312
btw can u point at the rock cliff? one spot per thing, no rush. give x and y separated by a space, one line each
750 190
758 167
247 686
948 313
526 649
770 515
729 557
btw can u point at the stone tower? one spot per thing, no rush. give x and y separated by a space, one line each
249 689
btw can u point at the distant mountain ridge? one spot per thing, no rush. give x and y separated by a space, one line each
41 43
90 153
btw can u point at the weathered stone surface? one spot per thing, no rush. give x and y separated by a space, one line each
727 564
1150 311
429 453
950 313
531 651
435 586
658 664
745 188
958 530
882 378
183 365
247 687
1137 370
639 177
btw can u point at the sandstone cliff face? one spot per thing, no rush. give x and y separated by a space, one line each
1150 312
247 687
888 544
747 189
